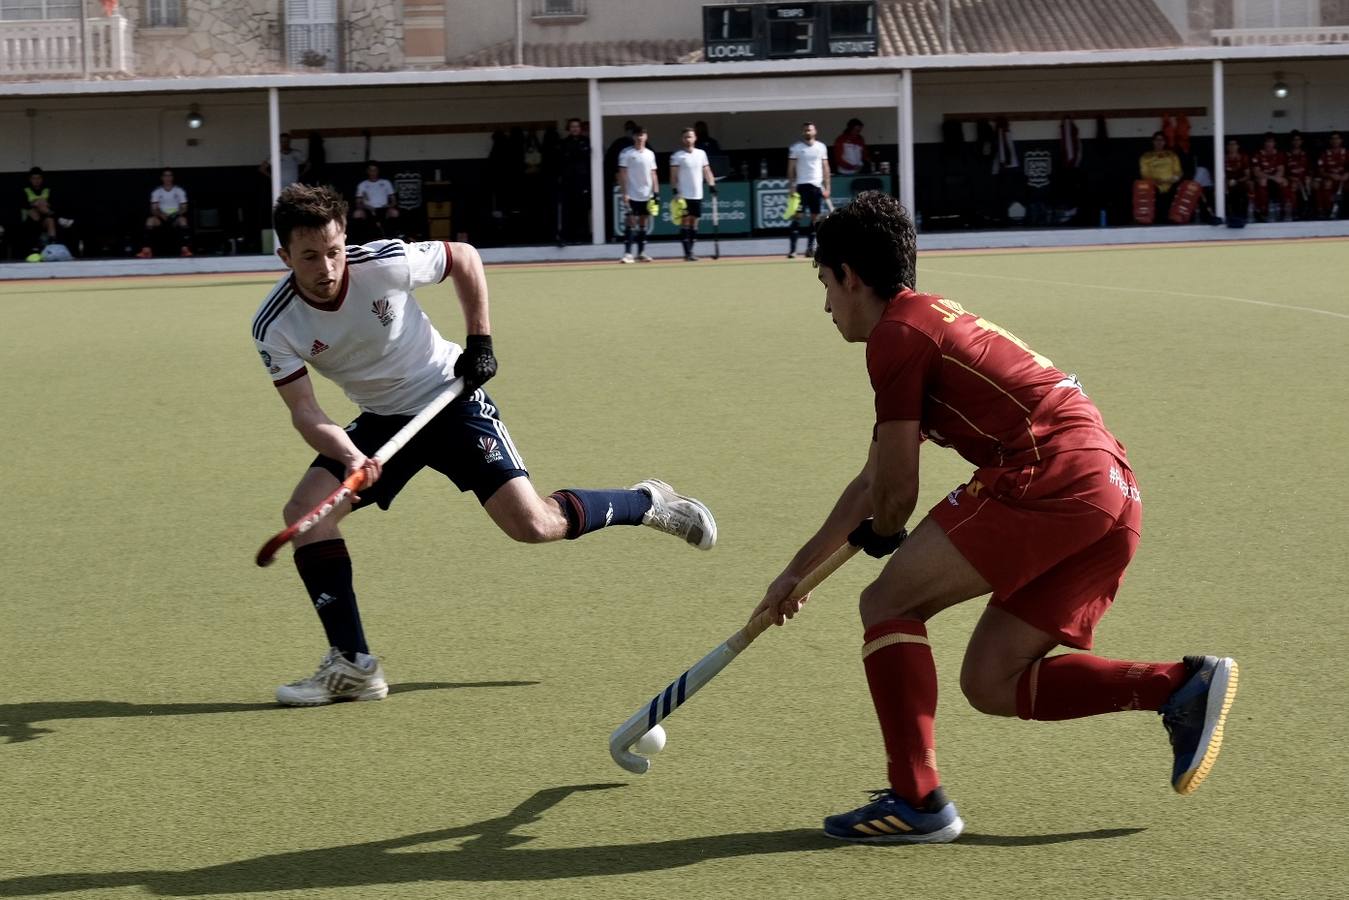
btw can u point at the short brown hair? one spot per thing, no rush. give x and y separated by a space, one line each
875 237
302 206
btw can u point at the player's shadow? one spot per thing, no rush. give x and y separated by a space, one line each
486 851
971 839
19 721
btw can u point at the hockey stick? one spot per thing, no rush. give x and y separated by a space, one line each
356 480
704 670
716 228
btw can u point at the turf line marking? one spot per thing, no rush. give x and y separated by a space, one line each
1139 290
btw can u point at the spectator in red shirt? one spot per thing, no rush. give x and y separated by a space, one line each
1332 167
1047 524
1298 171
1267 171
850 149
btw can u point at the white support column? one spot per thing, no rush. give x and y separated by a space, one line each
598 195
274 139
1219 143
905 173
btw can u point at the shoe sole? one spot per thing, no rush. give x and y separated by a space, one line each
697 535
940 836
371 693
1222 690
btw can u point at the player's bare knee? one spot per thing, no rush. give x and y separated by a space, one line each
987 693
528 529
877 604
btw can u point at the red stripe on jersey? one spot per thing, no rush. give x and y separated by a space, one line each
449 260
293 376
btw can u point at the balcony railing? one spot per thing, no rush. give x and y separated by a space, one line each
1247 37
52 48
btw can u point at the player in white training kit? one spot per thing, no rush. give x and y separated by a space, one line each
808 173
374 200
689 171
348 312
639 183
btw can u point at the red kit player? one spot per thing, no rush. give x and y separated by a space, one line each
1333 168
1047 524
1268 166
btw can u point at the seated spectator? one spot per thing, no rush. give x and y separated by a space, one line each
168 206
1332 169
1268 168
38 220
1238 168
374 206
1298 172
1158 172
850 149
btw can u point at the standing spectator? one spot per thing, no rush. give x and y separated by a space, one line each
168 206
1237 165
1333 169
293 164
1267 168
39 221
639 183
808 173
704 141
574 181
373 201
617 148
850 149
1299 179
689 171
1159 169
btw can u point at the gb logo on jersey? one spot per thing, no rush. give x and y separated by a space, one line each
383 311
491 450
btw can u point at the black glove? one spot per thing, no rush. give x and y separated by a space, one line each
873 544
476 365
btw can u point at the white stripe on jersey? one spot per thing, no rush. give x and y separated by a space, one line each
500 428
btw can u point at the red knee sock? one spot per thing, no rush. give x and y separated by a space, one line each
1074 685
903 681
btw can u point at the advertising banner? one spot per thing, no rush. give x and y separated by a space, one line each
770 196
733 211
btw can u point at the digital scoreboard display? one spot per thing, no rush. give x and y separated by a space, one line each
789 30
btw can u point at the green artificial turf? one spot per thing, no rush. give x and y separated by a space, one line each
148 457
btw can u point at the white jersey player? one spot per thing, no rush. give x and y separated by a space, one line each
349 313
808 173
689 171
639 186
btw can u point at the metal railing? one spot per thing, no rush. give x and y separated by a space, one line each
1248 37
43 48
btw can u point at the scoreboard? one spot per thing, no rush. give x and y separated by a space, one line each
737 31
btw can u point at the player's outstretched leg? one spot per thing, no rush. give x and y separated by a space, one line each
337 679
888 819
1195 715
683 517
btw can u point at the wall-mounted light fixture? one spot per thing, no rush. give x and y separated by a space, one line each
1280 88
194 118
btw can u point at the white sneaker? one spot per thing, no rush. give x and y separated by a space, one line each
676 514
627 258
646 257
337 679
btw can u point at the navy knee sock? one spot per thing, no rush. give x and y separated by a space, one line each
325 569
627 239
590 510
792 231
641 240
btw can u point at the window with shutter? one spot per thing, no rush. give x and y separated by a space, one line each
164 14
311 34
20 10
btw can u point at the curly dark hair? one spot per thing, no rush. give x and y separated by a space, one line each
874 236
302 206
